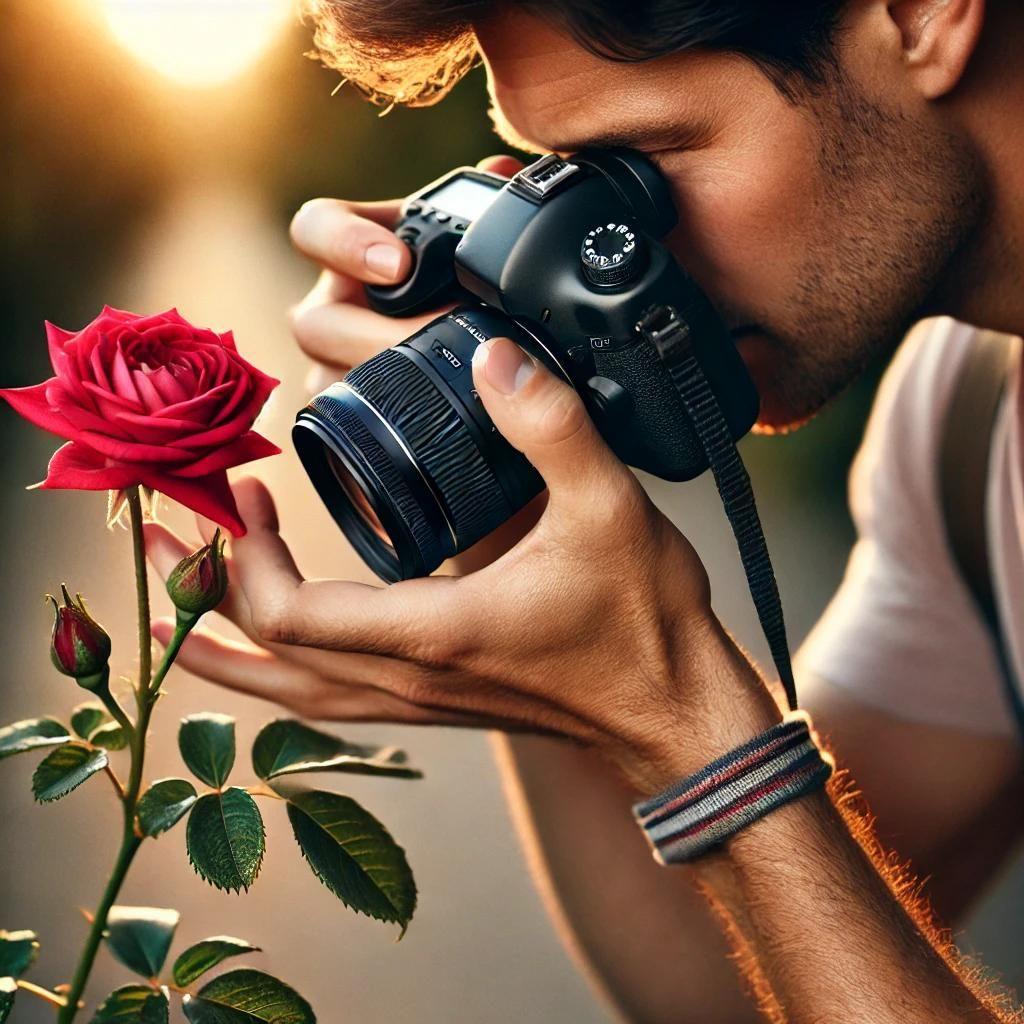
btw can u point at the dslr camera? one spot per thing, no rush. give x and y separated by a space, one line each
566 258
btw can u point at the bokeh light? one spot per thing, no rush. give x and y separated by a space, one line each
197 43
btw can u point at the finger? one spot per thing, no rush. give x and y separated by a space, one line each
238 666
501 164
332 287
546 420
354 239
253 671
416 620
342 335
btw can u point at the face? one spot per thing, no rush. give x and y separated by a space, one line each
821 227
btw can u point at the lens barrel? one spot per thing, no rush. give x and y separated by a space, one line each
404 455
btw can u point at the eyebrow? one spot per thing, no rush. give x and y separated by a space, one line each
634 137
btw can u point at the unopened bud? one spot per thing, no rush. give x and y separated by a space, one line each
79 645
198 583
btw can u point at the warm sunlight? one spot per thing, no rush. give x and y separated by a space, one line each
197 42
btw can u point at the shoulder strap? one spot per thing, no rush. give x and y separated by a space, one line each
966 445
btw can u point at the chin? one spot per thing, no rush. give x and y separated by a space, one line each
777 414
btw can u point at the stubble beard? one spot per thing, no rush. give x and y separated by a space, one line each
898 202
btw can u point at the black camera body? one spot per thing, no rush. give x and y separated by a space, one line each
566 258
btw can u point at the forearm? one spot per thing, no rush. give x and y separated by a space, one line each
644 935
823 935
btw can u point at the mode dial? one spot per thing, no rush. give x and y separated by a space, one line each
612 254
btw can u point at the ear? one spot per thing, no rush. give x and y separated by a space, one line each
938 37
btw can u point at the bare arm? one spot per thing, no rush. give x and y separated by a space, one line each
647 939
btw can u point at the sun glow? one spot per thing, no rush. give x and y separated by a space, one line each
197 42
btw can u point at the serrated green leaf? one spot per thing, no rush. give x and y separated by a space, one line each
110 736
353 854
226 839
141 936
18 951
8 990
287 747
86 718
207 954
164 804
134 1004
31 734
65 769
246 996
207 745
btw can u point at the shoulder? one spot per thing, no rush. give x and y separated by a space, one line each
902 633
898 459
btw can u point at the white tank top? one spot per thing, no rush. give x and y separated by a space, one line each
902 631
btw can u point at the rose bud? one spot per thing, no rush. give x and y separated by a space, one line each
79 646
198 583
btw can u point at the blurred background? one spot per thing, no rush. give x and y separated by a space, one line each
153 152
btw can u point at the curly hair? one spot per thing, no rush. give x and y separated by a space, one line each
413 52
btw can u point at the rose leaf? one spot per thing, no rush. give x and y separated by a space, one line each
353 854
226 839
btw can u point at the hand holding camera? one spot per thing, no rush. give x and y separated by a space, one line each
565 258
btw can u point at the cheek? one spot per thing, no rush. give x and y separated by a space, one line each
747 214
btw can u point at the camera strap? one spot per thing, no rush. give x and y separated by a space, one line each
663 327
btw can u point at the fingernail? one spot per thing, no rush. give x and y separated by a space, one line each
507 366
384 260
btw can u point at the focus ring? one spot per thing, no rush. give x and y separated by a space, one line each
439 439
380 461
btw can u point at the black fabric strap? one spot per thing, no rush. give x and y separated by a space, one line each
669 334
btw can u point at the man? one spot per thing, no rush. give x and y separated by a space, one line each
842 169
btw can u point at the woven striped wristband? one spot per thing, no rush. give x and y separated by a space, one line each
706 808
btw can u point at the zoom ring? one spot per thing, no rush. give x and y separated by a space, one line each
439 439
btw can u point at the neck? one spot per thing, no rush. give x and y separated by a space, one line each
988 289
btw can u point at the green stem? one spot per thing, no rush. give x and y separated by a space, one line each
142 592
181 630
118 712
130 840
129 846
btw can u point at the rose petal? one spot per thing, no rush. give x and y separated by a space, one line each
148 429
261 385
202 409
55 339
75 467
247 448
222 433
122 380
107 403
151 398
85 419
32 404
210 496
169 389
125 451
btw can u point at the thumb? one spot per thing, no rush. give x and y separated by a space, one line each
543 417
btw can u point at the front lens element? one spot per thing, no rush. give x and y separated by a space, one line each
356 495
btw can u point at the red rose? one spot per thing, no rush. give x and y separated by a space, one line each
149 400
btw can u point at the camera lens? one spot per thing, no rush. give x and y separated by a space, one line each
404 455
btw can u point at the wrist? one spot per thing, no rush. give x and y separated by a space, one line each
716 702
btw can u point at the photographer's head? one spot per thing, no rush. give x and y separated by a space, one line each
832 161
